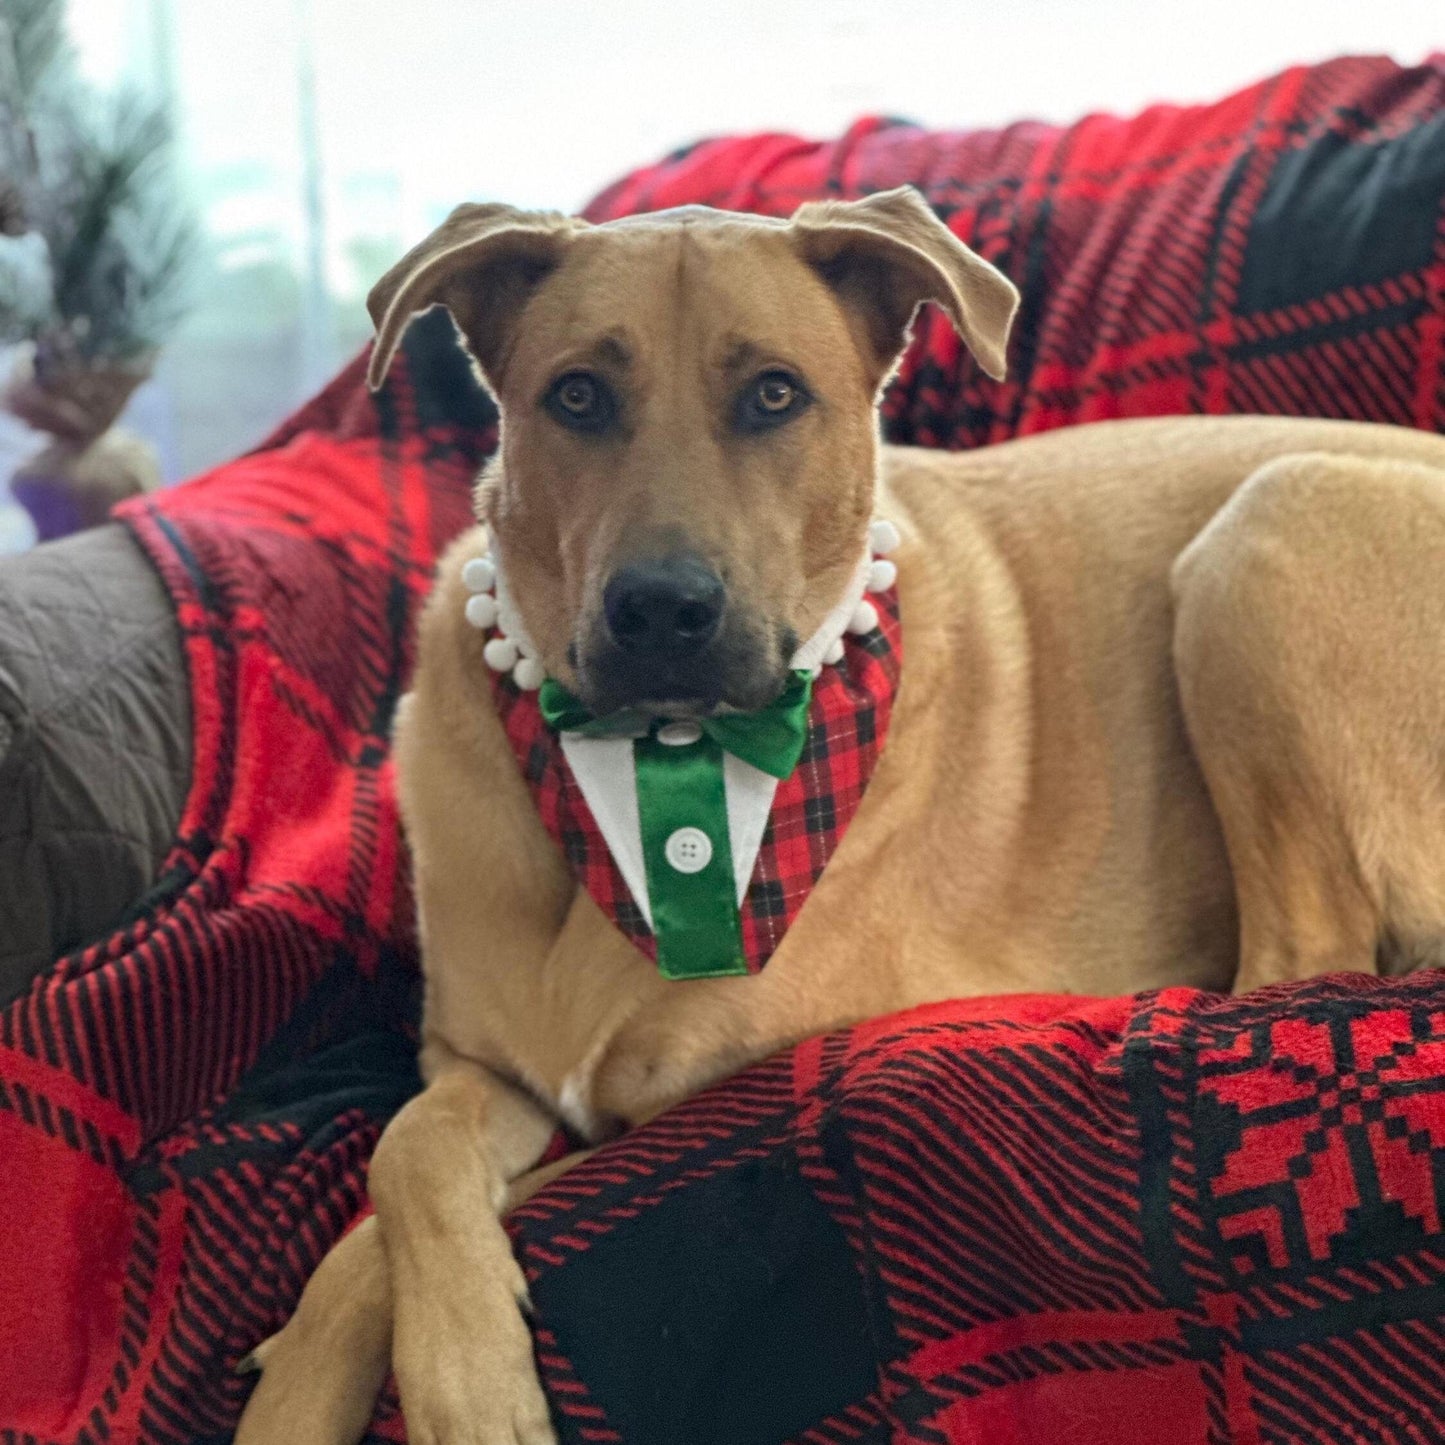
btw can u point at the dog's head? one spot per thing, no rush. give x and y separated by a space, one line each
689 434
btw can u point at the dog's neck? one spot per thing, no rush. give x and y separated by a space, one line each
701 838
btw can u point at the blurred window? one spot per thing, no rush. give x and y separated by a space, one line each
322 137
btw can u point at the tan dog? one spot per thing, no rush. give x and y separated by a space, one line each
1172 710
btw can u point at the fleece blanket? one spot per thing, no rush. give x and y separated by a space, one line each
1177 1216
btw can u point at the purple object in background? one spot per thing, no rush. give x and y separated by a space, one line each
51 504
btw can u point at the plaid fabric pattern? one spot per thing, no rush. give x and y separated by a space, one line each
1178 1218
847 727
1281 251
187 1107
1175 1217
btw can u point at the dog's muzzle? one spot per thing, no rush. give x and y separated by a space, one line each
666 635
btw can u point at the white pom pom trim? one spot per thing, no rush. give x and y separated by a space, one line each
883 537
501 654
489 607
834 654
482 611
882 575
864 619
479 575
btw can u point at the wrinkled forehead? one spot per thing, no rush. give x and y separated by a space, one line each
683 287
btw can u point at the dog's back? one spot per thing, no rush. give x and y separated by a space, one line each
1043 576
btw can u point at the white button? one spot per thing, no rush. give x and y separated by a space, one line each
679 734
689 850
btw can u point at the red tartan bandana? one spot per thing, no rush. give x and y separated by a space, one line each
847 726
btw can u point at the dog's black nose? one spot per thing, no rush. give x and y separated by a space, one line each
670 606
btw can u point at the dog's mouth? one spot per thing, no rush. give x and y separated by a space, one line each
737 672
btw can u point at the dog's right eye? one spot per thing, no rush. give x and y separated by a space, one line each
771 399
581 401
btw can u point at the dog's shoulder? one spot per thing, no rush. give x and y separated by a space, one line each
469 816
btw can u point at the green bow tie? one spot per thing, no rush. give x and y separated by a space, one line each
683 819
771 740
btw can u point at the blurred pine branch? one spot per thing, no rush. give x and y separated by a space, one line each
92 177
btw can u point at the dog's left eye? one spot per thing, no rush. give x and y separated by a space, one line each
581 401
776 393
771 399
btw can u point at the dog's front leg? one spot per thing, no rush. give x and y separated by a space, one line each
321 1374
461 1348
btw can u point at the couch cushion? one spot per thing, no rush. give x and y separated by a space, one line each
94 744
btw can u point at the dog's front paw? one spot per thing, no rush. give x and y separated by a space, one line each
466 1371
481 1416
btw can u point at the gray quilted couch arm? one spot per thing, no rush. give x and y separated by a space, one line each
94 744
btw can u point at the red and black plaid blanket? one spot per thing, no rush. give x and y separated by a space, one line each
1174 1217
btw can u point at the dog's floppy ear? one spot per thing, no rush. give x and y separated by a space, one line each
887 254
481 263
